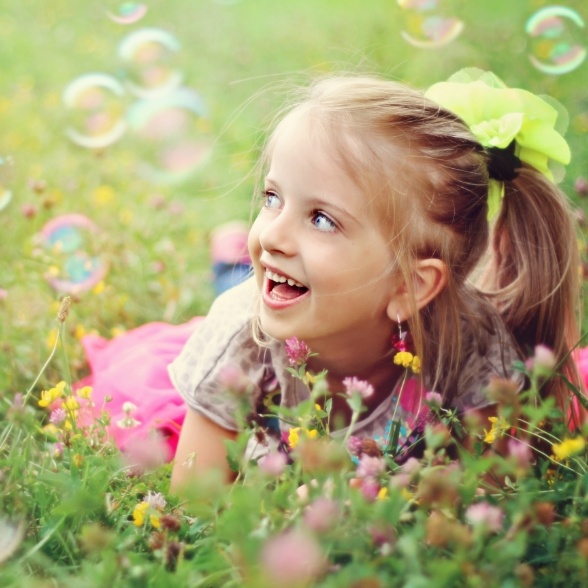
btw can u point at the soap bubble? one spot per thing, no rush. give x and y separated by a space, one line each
127 13
95 110
174 136
426 24
72 240
555 34
5 181
148 55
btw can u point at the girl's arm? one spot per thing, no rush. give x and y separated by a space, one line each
201 449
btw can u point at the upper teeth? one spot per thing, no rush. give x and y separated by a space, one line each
282 279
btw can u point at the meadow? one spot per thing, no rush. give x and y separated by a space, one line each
71 508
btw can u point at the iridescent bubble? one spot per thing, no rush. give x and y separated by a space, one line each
555 33
72 240
127 13
148 55
174 135
427 25
95 110
5 181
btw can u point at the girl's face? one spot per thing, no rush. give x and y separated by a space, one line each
321 262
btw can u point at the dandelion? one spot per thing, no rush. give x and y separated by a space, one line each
357 386
499 427
568 447
298 351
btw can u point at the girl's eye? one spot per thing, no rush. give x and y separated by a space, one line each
323 223
272 200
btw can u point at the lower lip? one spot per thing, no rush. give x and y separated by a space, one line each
274 304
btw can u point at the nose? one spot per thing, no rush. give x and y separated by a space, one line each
276 233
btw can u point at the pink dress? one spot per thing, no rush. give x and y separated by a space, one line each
133 368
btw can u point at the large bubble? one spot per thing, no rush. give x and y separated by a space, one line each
173 135
556 32
95 110
127 13
427 24
73 242
148 56
5 181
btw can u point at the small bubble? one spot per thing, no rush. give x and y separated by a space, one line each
173 135
127 13
72 241
148 56
95 110
555 33
427 25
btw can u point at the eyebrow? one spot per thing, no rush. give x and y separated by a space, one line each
316 201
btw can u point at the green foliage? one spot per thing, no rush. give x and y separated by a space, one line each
68 513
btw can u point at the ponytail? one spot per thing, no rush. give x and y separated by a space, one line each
534 272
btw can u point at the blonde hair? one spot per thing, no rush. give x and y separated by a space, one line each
427 178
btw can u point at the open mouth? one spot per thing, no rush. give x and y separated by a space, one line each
283 288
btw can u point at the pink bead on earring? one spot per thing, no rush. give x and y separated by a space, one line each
402 340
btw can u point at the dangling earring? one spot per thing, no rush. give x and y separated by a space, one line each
401 341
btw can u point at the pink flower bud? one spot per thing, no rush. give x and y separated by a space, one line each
273 463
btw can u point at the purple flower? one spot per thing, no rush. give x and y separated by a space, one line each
322 515
434 398
354 445
370 467
353 385
57 417
485 515
298 351
520 453
293 558
273 463
370 489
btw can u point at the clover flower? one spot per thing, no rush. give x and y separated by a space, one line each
273 463
298 351
361 387
486 516
57 417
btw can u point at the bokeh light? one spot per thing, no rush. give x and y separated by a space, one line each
173 135
555 33
5 181
127 13
72 242
427 25
95 110
148 56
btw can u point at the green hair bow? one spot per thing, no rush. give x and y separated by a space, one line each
497 115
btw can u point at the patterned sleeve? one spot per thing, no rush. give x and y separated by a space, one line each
222 339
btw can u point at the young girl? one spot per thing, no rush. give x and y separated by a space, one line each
383 213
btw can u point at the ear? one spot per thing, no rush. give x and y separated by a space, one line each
429 278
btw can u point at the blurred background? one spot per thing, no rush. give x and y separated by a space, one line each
128 130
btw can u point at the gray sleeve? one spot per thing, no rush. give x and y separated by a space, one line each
222 339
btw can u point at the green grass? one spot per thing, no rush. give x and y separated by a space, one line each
243 58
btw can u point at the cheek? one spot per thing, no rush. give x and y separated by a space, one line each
253 241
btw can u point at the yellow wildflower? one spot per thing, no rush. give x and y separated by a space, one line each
568 447
103 195
71 405
404 358
293 437
383 493
317 407
85 392
139 513
310 379
499 427
48 396
78 459
416 364
98 288
312 434
79 331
